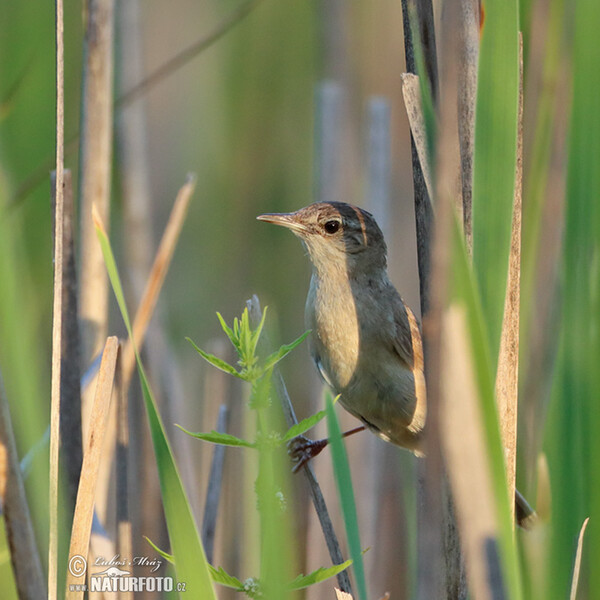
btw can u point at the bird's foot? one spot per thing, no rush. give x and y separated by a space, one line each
301 450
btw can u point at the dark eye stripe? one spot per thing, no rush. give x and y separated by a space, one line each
331 226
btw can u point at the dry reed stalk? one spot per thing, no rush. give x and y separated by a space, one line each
70 413
507 376
25 558
577 562
95 162
95 170
465 455
467 95
157 274
57 308
84 508
411 92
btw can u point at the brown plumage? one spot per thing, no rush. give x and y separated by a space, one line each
365 341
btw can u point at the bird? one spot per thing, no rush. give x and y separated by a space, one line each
365 341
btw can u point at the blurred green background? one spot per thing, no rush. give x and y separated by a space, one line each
241 115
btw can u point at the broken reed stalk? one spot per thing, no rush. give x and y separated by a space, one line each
84 508
70 412
507 375
213 492
24 554
57 307
318 499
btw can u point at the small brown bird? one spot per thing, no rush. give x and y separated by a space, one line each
365 341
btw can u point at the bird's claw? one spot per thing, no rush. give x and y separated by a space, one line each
301 450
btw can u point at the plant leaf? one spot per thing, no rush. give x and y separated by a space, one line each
343 481
191 564
276 356
256 333
215 361
321 574
233 338
302 426
168 557
220 576
215 437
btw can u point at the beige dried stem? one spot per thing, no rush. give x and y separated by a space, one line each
465 454
84 508
95 163
57 308
25 558
467 95
95 169
158 273
70 412
507 376
411 92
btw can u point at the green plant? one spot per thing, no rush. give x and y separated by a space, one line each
276 540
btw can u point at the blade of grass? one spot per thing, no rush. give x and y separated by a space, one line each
190 561
494 158
572 440
84 507
344 485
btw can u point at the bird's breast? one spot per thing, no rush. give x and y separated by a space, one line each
332 316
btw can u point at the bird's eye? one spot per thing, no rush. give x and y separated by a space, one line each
332 226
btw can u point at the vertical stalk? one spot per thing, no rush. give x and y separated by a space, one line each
57 308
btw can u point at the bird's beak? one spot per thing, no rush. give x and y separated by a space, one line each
289 220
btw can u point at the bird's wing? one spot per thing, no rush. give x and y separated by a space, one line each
402 337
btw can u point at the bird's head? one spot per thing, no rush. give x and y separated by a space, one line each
336 235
